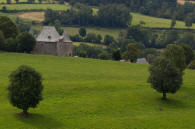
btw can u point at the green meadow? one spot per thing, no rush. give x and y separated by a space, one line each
36 1
94 94
34 6
89 44
154 22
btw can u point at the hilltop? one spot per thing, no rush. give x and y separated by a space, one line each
88 93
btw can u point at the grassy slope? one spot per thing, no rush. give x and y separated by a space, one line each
154 22
93 94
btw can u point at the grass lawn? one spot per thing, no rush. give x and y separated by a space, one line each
35 6
94 94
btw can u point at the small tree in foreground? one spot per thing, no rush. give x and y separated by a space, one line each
165 77
25 88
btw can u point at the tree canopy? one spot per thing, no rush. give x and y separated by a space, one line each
25 88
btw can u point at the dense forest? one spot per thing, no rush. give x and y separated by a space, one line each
158 8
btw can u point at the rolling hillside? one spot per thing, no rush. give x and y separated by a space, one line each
94 94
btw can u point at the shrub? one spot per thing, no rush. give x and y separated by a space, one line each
103 56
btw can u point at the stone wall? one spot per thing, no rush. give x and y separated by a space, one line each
48 48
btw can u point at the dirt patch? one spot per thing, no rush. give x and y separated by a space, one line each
36 16
183 1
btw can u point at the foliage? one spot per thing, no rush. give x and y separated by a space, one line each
176 55
132 52
25 88
90 51
137 33
192 65
10 45
164 76
108 40
114 15
189 54
25 42
103 56
188 38
8 28
82 32
83 15
116 55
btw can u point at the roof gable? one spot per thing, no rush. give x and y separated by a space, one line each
48 34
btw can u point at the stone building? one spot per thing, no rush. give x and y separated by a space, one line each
50 42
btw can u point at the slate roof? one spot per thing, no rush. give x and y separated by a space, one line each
48 34
142 61
66 37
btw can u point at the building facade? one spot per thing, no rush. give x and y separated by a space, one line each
49 42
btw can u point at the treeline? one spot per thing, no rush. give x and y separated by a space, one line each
113 15
12 39
158 8
135 42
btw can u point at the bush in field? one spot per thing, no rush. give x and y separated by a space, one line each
165 77
103 56
25 88
192 65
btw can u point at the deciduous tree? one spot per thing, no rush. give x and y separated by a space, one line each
165 77
25 88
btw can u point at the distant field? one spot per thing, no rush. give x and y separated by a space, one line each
36 1
96 30
154 22
95 94
35 16
149 21
35 6
13 17
89 44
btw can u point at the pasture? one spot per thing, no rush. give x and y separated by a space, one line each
34 6
94 94
36 1
154 22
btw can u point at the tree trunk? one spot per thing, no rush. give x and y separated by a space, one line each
164 96
25 112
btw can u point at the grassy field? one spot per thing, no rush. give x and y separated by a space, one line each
89 44
36 1
101 31
154 22
35 6
94 94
